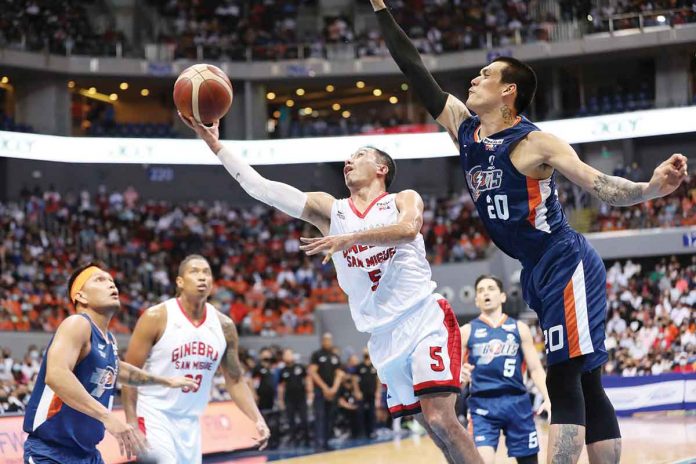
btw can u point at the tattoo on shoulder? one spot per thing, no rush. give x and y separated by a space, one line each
617 191
230 360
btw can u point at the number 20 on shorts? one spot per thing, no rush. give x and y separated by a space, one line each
553 338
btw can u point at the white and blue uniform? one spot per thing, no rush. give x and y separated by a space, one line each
57 432
499 399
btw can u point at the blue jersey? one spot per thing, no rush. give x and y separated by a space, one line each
48 419
522 215
496 356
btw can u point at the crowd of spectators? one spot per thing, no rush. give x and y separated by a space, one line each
61 27
652 323
226 29
263 280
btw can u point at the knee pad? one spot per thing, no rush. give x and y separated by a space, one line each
563 382
602 423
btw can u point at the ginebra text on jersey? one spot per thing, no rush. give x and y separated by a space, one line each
196 348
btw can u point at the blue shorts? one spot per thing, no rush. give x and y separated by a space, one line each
38 451
567 290
513 415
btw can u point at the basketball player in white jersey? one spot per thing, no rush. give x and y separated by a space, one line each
374 240
185 336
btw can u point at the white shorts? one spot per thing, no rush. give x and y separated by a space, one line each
171 439
421 355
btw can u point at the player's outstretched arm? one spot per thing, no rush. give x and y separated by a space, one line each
408 225
313 207
234 381
409 61
68 343
135 377
614 190
536 370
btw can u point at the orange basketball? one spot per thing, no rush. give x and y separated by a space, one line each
203 92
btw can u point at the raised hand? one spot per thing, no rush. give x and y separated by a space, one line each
668 176
330 244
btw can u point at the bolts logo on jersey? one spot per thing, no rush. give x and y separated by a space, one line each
481 180
105 379
488 351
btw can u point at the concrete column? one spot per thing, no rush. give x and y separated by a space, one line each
44 103
672 79
247 117
554 95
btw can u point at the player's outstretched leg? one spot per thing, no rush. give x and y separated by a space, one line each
439 415
567 430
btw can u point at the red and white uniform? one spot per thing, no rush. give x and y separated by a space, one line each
415 343
170 416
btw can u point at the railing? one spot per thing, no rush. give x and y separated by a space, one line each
545 31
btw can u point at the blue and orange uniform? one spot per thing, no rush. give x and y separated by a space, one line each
563 278
59 433
499 399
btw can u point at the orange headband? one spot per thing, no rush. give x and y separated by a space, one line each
80 280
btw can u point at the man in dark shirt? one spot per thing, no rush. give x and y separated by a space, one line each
349 398
264 382
294 388
371 389
324 370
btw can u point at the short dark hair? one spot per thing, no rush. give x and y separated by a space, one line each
188 259
391 166
76 273
495 279
522 75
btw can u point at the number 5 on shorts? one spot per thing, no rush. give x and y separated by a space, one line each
439 364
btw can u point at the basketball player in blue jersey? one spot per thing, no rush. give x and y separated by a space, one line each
70 406
496 346
509 167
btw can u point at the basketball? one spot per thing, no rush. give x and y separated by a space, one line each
203 92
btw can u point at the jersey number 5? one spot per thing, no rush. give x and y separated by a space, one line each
435 355
198 378
374 277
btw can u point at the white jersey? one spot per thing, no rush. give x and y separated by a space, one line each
382 283
184 350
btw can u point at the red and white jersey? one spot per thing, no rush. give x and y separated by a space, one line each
187 350
382 283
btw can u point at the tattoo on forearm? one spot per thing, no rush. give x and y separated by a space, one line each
230 360
567 449
137 378
617 191
506 113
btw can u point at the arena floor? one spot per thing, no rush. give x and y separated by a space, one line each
646 440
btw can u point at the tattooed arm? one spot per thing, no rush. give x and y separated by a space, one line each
130 375
234 380
614 190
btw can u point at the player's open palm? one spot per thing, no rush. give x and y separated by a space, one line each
329 244
209 134
668 175
130 441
